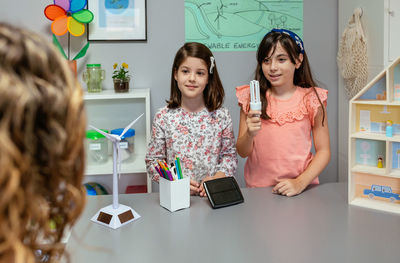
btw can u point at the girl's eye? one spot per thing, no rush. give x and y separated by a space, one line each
185 71
282 59
266 60
201 73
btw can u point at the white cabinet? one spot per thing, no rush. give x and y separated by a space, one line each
374 155
110 110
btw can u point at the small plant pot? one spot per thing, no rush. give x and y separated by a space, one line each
121 85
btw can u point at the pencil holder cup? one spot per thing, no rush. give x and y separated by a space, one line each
175 195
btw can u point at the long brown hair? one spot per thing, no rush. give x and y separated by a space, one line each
213 93
42 126
302 76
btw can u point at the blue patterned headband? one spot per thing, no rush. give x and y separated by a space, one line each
293 35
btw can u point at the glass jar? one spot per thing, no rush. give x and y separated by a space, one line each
96 147
93 76
127 144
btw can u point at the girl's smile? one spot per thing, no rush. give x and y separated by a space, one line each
274 77
191 87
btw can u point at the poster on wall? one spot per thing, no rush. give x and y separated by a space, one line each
239 25
117 20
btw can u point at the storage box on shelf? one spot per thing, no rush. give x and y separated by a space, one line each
374 152
110 110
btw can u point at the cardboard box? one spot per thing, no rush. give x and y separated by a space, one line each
175 195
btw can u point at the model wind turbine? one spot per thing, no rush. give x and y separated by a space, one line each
115 215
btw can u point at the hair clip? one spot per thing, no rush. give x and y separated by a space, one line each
293 35
255 102
212 59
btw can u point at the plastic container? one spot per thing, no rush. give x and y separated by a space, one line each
93 76
96 147
127 144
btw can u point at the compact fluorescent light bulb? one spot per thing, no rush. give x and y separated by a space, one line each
255 102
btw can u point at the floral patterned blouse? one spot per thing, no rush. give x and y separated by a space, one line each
204 142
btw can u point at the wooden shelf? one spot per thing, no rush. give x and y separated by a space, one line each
369 135
375 136
372 102
368 170
378 102
395 173
376 204
111 94
375 143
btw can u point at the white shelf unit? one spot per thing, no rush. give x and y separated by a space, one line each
110 110
368 141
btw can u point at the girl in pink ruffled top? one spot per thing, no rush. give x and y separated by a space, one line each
277 140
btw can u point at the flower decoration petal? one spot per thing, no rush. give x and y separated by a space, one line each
84 16
59 25
53 12
77 5
63 3
75 28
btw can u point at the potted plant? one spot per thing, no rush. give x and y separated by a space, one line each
121 78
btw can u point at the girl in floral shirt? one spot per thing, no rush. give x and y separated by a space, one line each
193 125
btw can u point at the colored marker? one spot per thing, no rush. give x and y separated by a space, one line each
166 165
170 176
177 170
158 171
179 166
177 173
163 170
161 165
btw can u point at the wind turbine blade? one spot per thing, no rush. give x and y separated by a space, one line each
130 125
102 132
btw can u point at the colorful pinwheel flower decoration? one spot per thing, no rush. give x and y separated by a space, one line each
68 16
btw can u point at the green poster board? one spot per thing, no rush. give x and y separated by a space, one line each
239 25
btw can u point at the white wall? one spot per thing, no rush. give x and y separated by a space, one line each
373 24
151 61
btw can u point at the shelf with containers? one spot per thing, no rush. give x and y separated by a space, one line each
109 110
374 143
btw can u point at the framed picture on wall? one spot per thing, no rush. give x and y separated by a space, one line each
117 20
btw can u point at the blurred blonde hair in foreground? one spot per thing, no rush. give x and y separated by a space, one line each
42 127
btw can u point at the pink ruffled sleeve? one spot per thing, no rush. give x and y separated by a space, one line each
313 103
243 96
